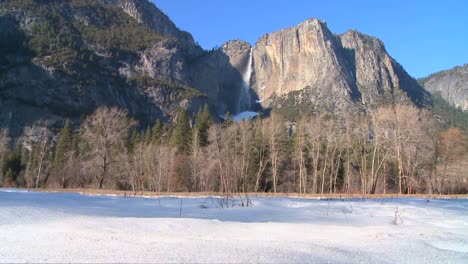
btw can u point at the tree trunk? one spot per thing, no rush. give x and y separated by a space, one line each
41 162
324 169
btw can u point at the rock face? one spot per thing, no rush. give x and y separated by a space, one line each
219 75
302 57
451 84
148 14
164 60
334 73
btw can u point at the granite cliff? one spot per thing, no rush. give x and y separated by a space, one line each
452 85
310 67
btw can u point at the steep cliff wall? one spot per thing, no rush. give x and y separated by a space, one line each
452 85
332 73
219 75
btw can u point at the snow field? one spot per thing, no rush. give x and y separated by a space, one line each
59 227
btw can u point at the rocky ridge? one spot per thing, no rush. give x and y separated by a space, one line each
452 85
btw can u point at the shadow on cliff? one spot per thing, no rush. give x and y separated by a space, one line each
417 94
350 58
213 74
412 88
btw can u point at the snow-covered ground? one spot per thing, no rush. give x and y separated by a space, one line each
239 117
246 115
58 227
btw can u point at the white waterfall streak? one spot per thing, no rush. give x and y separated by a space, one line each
244 102
248 71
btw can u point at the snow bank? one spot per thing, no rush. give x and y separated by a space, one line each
59 227
239 117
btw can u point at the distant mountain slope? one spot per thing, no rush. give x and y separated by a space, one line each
65 58
451 84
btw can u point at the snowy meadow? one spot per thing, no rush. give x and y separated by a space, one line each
69 227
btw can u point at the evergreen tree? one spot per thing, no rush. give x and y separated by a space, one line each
75 146
132 140
156 133
148 135
64 145
203 123
181 138
228 120
12 164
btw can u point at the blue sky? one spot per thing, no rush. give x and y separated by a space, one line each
423 36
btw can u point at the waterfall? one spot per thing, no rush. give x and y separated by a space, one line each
248 71
244 100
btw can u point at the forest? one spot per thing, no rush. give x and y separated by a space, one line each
394 149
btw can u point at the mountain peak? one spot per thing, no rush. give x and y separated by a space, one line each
147 13
313 21
363 39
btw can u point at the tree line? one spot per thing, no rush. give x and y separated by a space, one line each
393 149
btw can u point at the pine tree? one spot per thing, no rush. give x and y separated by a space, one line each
181 138
64 146
148 135
132 140
63 150
75 146
228 120
12 164
156 133
203 123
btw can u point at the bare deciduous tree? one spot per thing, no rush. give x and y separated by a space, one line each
103 132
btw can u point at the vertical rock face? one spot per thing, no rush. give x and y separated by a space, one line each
333 73
302 57
219 74
370 66
379 78
452 85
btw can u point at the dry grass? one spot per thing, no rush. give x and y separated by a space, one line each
197 194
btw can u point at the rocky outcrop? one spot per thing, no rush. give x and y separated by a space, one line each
379 78
306 56
451 84
338 73
164 60
148 14
370 66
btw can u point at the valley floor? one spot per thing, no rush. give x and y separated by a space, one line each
70 227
